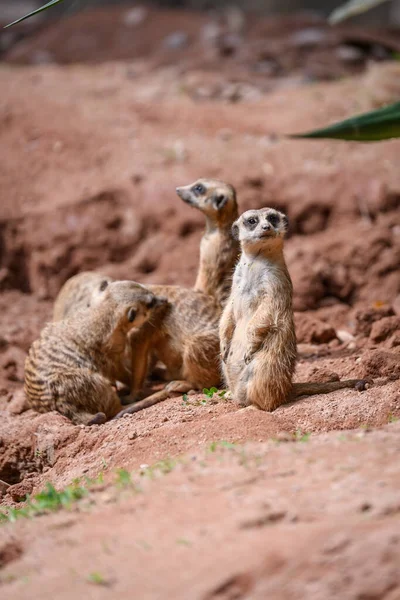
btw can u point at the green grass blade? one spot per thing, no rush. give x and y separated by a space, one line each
352 8
34 12
381 124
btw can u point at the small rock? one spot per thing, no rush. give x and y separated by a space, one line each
349 54
284 436
3 488
135 16
383 329
132 435
310 36
18 403
176 40
344 336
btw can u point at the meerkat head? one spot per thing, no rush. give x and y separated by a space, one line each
131 303
259 230
216 199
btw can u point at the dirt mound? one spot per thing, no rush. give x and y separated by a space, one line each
323 510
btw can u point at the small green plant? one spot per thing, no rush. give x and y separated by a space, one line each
183 542
162 466
210 393
97 578
300 436
49 500
392 419
124 478
213 447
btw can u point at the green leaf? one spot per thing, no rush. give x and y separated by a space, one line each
35 12
381 124
352 8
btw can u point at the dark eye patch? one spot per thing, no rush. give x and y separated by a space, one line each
198 189
273 219
251 223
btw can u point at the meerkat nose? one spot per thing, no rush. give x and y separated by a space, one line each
266 226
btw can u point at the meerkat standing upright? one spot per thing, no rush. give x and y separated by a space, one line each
257 333
73 364
219 250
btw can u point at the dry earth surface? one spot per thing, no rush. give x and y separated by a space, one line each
300 503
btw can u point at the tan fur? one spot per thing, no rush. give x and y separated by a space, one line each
258 340
219 250
78 292
71 367
186 340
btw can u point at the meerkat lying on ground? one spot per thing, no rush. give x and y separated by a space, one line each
219 250
258 339
72 366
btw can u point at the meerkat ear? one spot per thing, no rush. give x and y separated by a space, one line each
219 200
285 220
235 231
103 285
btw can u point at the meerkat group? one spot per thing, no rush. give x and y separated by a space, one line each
235 326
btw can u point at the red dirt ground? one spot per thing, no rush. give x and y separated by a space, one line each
90 158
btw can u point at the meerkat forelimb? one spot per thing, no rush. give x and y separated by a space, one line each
219 250
72 367
257 333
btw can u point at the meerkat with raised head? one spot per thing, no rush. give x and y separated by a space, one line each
219 250
71 368
258 339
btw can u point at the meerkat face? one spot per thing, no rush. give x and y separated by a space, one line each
261 228
132 303
211 196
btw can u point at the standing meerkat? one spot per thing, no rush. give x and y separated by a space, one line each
219 250
258 339
73 364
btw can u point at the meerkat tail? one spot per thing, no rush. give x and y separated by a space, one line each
145 403
310 388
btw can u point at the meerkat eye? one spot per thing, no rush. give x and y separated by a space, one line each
199 189
131 315
103 285
252 221
273 219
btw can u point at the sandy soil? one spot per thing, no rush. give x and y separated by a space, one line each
306 502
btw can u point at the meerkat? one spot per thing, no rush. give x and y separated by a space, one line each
219 250
258 339
186 340
79 291
71 367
